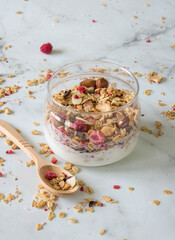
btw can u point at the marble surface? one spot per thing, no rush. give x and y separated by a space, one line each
150 168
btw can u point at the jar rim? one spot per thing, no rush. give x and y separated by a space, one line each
95 62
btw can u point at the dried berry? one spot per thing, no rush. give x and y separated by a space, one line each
50 175
66 93
0 174
81 89
48 75
116 186
101 205
92 203
102 83
97 137
46 48
54 160
79 126
82 189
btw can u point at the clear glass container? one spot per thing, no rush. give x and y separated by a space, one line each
73 144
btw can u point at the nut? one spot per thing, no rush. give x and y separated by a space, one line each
122 120
102 83
88 83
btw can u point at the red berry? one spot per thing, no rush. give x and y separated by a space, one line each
50 175
0 174
6 94
98 92
54 160
93 21
76 96
45 209
82 189
148 41
81 89
79 126
48 75
116 186
46 48
51 152
10 152
97 137
101 205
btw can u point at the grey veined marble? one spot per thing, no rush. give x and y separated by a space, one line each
150 168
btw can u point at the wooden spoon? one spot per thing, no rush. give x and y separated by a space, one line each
42 165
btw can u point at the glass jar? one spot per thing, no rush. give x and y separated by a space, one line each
72 143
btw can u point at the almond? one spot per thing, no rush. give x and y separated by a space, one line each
88 83
102 83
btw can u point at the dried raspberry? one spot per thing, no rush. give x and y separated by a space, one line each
18 87
93 21
45 209
101 205
81 89
82 189
46 48
0 174
98 92
117 133
5 94
79 126
50 175
97 137
116 186
10 152
75 106
148 41
54 160
82 144
48 75
51 152
10 92
76 97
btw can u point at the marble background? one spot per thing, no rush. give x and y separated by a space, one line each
150 168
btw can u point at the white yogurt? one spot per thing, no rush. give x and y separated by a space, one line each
99 158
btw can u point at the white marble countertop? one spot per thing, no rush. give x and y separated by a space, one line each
150 168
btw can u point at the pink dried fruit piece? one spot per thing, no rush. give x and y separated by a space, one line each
50 175
79 126
81 89
97 137
46 48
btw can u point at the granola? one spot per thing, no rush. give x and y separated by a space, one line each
104 128
60 182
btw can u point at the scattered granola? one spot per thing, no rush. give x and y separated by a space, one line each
102 232
156 202
39 227
130 188
62 215
35 132
108 199
167 192
72 220
30 163
148 92
153 77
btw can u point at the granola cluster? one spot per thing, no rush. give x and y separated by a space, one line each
60 182
101 129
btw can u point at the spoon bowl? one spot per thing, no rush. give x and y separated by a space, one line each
42 165
46 184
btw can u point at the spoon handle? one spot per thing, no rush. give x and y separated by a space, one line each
16 138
